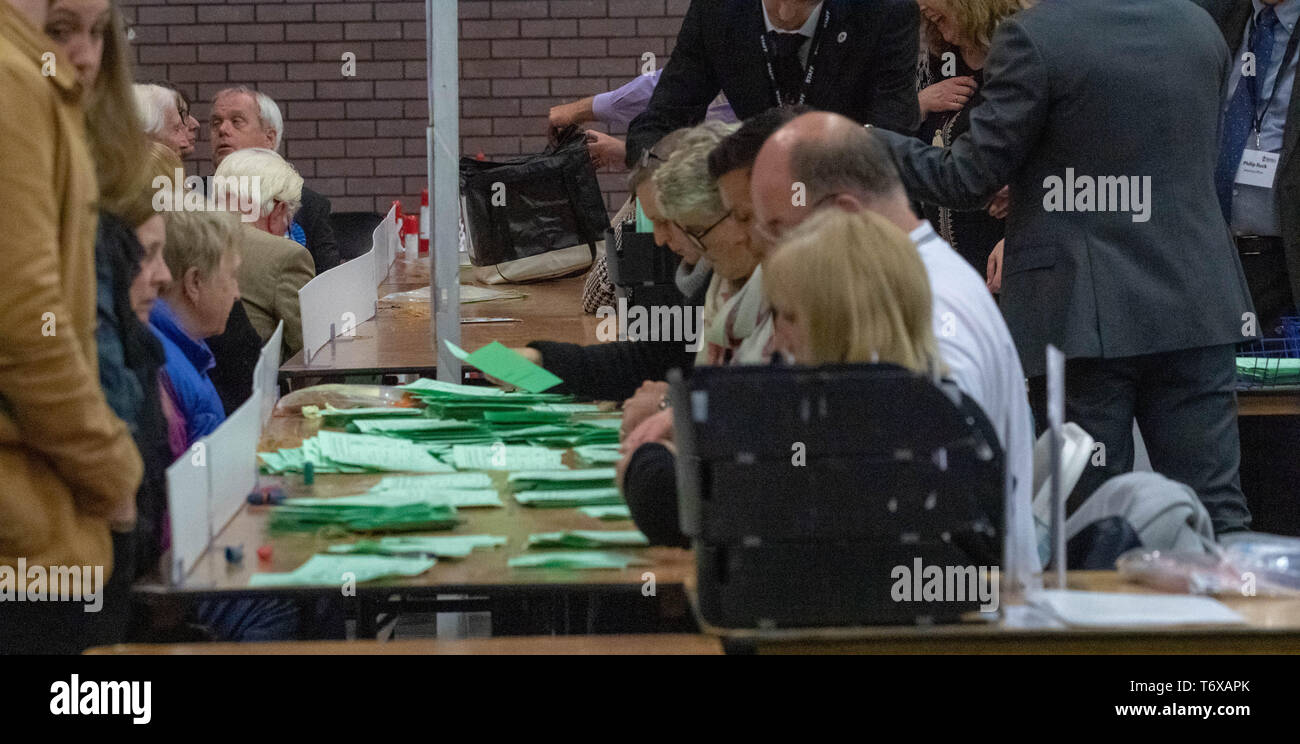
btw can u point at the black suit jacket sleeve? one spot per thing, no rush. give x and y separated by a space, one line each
650 489
236 351
314 218
893 99
1004 129
611 371
686 88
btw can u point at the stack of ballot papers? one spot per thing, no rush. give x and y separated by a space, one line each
338 570
385 511
1266 370
598 454
566 488
506 457
576 559
461 490
339 417
607 513
450 546
589 539
338 452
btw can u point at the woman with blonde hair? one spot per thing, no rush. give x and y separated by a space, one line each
956 35
850 287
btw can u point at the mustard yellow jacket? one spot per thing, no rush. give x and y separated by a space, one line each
66 462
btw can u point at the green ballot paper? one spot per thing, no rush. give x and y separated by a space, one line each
559 498
451 546
506 365
337 570
576 559
607 513
589 539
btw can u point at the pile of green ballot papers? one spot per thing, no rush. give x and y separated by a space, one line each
1271 371
396 511
450 400
337 570
450 546
339 452
566 488
589 539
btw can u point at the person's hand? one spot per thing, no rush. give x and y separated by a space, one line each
643 404
657 428
605 150
994 268
1000 204
946 95
567 114
529 353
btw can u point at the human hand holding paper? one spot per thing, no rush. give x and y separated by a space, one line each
506 365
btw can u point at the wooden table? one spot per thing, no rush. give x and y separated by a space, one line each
1268 402
660 644
398 341
482 580
1272 626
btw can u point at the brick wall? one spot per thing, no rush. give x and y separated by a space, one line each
360 140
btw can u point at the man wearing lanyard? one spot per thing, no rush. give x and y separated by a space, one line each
851 57
1258 178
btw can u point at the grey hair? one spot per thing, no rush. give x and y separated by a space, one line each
853 161
268 113
151 102
687 193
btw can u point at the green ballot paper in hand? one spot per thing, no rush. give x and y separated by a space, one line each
506 365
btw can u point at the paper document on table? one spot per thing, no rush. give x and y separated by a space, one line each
1107 609
379 453
337 570
506 457
506 365
450 546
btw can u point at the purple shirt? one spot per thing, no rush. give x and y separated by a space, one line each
618 108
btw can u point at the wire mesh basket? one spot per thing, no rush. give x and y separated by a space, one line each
1271 362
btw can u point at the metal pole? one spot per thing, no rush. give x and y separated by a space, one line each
442 142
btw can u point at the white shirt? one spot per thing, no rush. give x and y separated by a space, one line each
808 29
982 360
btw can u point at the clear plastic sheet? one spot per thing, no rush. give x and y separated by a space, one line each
1245 564
344 397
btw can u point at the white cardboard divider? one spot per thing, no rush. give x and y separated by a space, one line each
387 246
187 510
344 296
232 461
267 374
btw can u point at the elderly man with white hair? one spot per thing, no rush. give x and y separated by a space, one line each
267 191
162 119
242 118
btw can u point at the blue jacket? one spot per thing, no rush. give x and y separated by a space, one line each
188 363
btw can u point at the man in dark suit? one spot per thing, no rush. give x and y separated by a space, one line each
1265 220
852 57
1116 250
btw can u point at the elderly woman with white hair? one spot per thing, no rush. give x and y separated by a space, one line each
160 114
267 191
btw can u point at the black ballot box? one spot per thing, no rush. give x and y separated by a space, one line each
829 496
641 271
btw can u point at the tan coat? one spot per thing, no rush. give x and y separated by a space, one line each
271 273
67 464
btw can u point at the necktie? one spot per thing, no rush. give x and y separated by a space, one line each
786 67
1240 117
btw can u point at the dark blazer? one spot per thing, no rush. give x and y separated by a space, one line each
236 350
1138 95
866 70
1232 17
314 218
